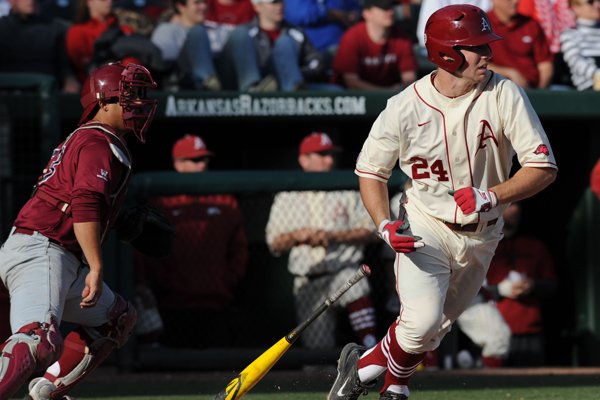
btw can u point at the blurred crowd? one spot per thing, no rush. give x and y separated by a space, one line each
290 45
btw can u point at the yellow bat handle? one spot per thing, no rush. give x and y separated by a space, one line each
254 372
258 368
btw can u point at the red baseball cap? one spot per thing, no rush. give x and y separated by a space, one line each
190 146
317 142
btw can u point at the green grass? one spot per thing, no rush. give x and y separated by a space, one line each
429 386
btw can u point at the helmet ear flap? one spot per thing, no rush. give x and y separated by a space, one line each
444 56
454 60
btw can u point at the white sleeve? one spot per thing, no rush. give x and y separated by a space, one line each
277 217
381 150
523 128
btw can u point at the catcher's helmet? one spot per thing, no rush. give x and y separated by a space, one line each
452 26
126 85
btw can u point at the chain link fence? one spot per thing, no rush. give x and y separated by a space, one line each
28 128
205 306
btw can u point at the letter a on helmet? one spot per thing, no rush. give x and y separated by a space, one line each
453 26
126 85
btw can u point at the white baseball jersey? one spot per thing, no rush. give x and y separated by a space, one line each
444 143
330 211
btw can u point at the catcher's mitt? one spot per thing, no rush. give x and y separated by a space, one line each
146 229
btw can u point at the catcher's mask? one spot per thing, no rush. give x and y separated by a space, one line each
126 85
454 26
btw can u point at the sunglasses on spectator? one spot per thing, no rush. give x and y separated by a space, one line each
591 2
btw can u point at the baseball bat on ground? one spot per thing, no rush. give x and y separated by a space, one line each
257 369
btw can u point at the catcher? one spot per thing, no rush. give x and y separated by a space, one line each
52 262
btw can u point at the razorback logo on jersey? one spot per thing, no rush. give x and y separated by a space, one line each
542 149
485 134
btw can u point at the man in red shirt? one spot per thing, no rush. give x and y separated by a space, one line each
375 54
524 55
520 277
52 261
195 286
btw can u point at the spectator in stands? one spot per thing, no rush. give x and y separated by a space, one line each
554 16
93 18
195 286
29 42
223 16
201 63
268 55
323 21
185 45
375 54
521 276
428 7
325 233
595 179
524 55
580 46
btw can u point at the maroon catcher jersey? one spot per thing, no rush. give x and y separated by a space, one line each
209 255
84 181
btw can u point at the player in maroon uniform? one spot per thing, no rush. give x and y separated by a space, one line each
207 263
52 262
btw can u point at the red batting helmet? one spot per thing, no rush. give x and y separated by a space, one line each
452 26
126 85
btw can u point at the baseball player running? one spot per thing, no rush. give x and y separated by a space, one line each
454 133
74 201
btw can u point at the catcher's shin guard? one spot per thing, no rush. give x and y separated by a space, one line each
33 347
86 348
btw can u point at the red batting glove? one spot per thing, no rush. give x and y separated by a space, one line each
472 200
391 232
